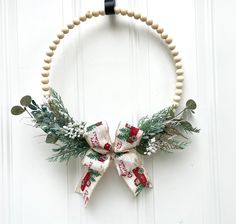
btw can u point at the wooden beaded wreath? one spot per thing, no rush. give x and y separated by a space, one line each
124 12
165 130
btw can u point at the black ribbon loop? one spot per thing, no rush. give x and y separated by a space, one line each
110 7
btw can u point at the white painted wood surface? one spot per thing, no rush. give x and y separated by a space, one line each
128 70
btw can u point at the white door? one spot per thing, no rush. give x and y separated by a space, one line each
116 69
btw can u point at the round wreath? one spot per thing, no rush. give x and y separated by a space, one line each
165 130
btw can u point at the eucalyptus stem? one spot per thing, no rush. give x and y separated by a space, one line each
28 112
180 112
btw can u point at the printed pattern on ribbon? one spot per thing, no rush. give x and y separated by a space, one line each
96 161
137 180
98 137
126 162
127 137
88 183
98 158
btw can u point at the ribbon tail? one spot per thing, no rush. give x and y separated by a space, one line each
137 179
131 169
96 165
88 184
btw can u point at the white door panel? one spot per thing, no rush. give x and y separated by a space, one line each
117 69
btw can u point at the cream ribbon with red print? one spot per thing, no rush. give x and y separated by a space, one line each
122 151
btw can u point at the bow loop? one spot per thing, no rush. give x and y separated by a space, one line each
98 137
127 137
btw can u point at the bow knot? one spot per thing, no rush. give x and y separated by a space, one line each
103 151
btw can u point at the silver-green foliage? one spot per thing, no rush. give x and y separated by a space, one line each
51 117
165 130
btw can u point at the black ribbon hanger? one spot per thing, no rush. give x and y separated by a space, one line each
110 7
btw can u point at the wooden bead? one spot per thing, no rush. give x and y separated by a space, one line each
143 18
61 35
176 105
149 22
71 25
46 93
179 85
50 53
117 10
95 13
102 12
123 12
76 21
160 30
45 87
65 30
46 66
174 52
178 65
164 35
178 92
168 40
48 60
53 47
177 58
137 15
154 26
56 41
180 71
180 78
171 46
130 13
89 15
177 98
45 73
82 18
45 80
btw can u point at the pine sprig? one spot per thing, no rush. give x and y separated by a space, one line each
170 143
69 149
56 105
165 130
162 131
185 126
151 126
51 117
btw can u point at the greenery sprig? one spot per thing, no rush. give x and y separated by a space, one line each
164 130
52 117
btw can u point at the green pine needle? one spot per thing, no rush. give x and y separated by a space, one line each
167 129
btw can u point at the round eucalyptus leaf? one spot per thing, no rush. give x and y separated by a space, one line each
34 103
186 125
32 107
26 101
17 110
191 105
51 139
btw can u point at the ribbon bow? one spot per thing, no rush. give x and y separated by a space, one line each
102 152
